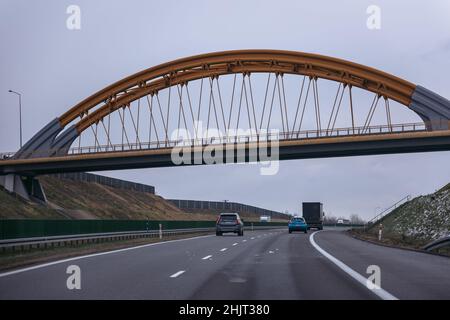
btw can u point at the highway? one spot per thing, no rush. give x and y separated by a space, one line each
265 264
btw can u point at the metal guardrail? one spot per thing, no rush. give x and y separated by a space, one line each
388 210
69 240
345 225
436 244
88 235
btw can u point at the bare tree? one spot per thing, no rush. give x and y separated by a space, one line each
356 219
329 219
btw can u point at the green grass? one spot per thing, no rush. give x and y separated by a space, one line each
14 207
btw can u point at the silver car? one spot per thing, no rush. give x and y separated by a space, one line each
229 222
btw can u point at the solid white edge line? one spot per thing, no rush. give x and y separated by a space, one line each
380 292
207 257
179 273
9 273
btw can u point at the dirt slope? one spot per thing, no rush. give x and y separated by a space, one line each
69 199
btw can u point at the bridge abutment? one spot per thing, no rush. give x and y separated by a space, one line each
432 108
48 142
26 187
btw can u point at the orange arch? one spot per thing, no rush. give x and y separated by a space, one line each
183 70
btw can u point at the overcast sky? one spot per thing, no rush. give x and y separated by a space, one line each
54 68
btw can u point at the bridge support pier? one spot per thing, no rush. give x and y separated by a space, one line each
26 187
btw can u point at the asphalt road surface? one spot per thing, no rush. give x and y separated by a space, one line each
270 264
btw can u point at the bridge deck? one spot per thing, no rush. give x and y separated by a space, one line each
369 144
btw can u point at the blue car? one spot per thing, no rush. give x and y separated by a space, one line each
298 224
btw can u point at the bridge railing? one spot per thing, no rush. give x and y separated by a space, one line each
227 139
256 137
388 210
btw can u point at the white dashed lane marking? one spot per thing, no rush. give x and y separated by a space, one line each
177 274
207 257
224 249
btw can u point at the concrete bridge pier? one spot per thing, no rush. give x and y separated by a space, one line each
26 187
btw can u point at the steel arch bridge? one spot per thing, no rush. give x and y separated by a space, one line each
237 98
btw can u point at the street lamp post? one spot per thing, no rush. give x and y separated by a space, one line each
225 204
20 113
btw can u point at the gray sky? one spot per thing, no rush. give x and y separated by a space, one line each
55 68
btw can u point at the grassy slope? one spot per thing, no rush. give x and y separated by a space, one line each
105 202
12 207
84 200
420 220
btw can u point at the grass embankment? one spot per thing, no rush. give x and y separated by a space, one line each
14 207
69 199
85 200
415 223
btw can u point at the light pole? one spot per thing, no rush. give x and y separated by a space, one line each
225 204
20 113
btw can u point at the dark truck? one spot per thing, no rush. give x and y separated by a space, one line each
313 214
